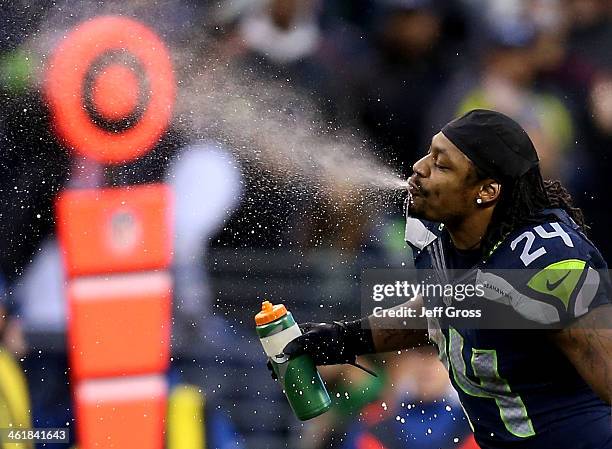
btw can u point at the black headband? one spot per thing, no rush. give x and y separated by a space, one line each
495 143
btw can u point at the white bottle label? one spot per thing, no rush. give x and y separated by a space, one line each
274 344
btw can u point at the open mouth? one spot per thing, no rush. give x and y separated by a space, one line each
413 188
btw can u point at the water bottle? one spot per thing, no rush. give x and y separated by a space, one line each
299 377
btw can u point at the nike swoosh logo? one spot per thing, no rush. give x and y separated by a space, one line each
551 286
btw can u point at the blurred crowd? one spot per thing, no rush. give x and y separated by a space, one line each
393 71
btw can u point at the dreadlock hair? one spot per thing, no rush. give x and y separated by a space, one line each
521 203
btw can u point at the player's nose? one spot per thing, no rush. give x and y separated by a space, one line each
420 167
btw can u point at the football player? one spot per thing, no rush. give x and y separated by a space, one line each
477 202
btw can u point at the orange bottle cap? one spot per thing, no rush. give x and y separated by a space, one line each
269 313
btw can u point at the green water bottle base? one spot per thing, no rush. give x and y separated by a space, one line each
303 387
314 413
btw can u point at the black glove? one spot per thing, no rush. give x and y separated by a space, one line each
272 373
326 343
333 343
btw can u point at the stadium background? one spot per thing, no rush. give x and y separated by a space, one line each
392 71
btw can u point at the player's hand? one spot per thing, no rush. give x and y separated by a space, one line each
326 343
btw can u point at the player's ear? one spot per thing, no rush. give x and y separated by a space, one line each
489 192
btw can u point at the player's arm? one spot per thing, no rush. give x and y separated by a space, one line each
342 341
392 334
587 343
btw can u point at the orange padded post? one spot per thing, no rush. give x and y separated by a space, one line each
120 325
122 413
117 248
115 230
110 89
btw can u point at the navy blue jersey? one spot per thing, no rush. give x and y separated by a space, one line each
516 386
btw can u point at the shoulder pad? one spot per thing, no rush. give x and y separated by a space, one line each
420 233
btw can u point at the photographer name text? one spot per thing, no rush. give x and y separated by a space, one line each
424 312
